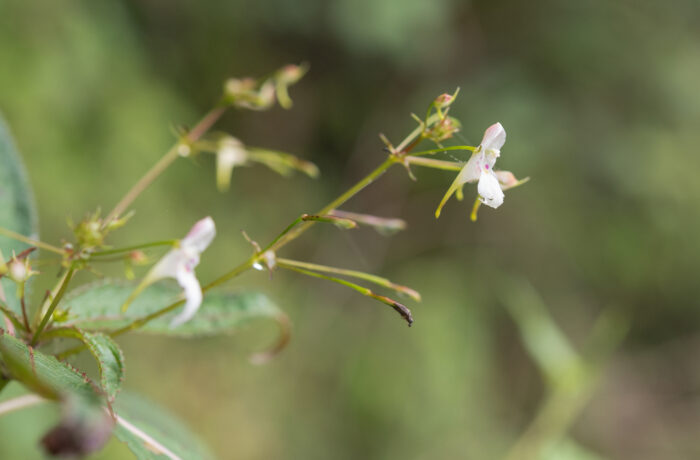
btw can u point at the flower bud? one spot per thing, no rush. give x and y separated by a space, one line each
245 93
443 130
231 153
291 73
443 100
18 270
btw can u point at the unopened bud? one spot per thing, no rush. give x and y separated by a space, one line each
443 100
236 88
245 93
138 257
444 129
292 73
19 271
184 150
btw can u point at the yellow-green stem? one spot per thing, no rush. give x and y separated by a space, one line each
54 303
39 244
378 280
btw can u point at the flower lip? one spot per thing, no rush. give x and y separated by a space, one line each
490 192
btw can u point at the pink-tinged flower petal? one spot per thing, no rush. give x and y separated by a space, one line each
490 192
193 296
179 263
494 138
200 236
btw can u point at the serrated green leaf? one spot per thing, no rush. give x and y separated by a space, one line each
42 373
151 433
98 307
17 210
109 357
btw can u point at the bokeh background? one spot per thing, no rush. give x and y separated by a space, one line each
602 107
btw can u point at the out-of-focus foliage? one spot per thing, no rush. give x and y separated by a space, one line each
601 103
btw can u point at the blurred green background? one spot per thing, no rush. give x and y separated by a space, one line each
601 102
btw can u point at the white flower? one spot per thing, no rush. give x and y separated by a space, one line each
180 263
231 153
480 168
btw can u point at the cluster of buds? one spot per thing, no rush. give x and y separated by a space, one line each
446 126
249 93
91 232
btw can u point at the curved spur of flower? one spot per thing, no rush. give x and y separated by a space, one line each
179 263
480 168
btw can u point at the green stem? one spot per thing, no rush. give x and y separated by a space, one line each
12 317
54 303
400 308
135 248
292 233
406 145
433 163
443 149
378 280
39 244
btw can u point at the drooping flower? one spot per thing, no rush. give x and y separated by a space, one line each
179 263
480 168
231 153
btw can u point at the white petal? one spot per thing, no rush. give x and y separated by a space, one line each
200 236
167 267
494 138
193 295
490 192
231 153
472 170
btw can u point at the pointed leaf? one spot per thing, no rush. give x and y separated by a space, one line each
42 373
151 433
17 210
109 357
